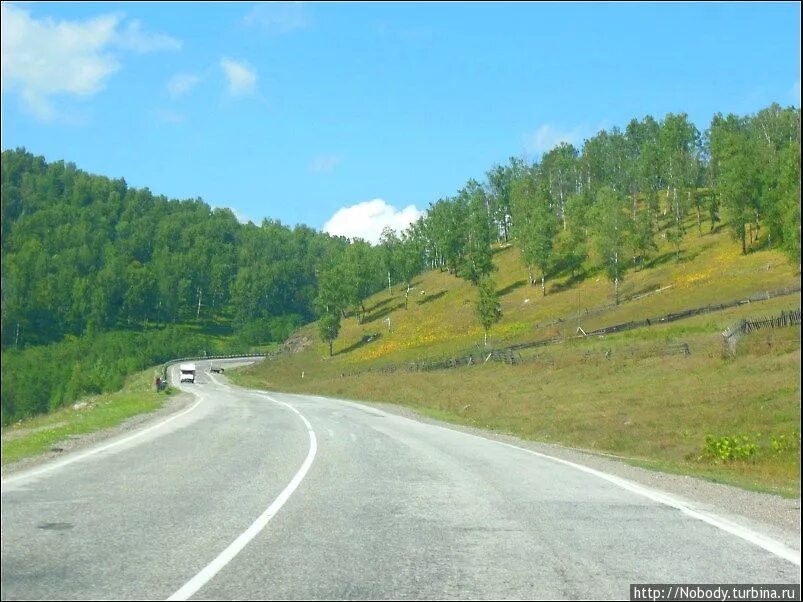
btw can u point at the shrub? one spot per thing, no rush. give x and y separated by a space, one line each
726 449
44 378
782 443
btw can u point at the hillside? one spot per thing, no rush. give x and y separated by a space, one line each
91 263
632 394
440 318
101 280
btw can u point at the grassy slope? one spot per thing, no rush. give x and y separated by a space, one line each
37 435
643 402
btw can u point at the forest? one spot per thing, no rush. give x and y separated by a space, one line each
100 279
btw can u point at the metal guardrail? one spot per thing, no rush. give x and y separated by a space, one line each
199 358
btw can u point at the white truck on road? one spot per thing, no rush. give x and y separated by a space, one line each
186 373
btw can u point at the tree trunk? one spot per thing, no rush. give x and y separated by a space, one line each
406 296
330 348
757 226
485 344
543 285
530 272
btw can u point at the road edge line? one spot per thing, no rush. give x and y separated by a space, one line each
77 457
765 542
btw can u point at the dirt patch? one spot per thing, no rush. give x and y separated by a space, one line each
295 344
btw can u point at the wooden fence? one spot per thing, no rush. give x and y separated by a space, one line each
504 356
733 334
508 355
789 318
763 296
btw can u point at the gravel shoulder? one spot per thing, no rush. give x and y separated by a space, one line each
778 515
173 404
775 514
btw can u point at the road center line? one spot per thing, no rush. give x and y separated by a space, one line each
227 555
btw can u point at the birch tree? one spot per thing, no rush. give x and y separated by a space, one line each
613 232
488 308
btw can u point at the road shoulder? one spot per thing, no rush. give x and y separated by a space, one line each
775 513
75 443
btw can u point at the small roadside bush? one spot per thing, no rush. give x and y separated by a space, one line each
727 449
783 443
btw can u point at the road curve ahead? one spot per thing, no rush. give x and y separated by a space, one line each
247 495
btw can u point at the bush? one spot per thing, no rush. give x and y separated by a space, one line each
783 444
726 449
44 378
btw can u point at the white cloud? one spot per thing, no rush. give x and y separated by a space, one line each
366 220
43 58
547 137
181 83
277 18
242 79
134 39
325 163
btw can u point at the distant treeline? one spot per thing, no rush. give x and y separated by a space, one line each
87 254
608 200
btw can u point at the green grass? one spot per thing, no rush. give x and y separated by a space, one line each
645 402
39 434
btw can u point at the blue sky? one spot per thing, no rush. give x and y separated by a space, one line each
298 111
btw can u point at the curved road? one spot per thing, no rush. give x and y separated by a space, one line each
247 495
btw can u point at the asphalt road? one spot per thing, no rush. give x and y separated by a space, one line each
244 495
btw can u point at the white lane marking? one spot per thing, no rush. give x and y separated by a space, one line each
763 541
771 545
227 555
82 456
